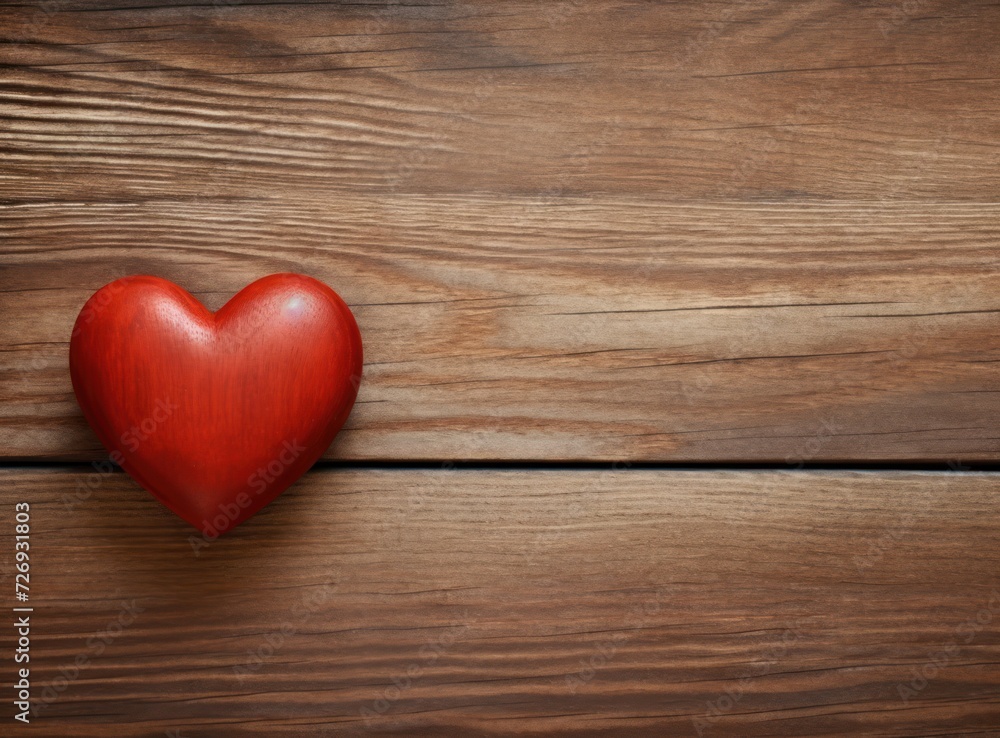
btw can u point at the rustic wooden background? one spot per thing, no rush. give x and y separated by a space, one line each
588 243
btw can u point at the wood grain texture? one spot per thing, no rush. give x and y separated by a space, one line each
617 230
497 328
591 603
715 232
826 99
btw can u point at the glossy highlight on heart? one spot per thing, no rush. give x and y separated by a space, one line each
216 414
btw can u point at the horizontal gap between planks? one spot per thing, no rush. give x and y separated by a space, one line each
600 465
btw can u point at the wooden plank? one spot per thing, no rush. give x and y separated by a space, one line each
487 603
827 99
591 328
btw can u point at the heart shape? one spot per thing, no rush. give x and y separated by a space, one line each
216 414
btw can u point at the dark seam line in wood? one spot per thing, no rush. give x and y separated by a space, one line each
951 467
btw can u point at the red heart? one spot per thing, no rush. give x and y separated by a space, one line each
216 414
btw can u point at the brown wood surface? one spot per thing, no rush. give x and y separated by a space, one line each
824 99
602 329
728 231
720 232
812 595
